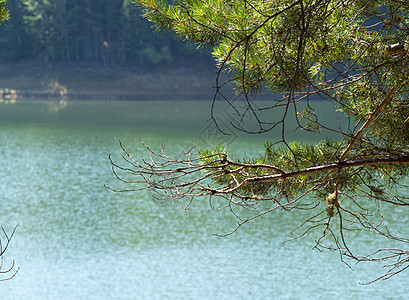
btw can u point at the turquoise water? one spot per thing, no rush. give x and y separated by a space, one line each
78 240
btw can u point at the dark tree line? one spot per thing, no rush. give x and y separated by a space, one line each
103 31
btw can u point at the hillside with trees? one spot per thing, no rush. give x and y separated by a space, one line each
106 44
85 31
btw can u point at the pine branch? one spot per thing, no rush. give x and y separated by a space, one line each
371 118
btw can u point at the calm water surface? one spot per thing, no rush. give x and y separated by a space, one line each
77 240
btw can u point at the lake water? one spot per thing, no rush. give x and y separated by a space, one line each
78 240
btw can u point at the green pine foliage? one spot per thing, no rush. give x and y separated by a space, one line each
335 48
340 50
352 53
4 14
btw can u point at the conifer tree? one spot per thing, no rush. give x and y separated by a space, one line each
352 53
4 15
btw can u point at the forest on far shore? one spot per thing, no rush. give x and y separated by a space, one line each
87 49
88 31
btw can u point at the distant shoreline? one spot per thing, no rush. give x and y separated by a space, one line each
45 95
33 79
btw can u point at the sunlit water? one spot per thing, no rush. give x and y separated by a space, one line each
78 240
